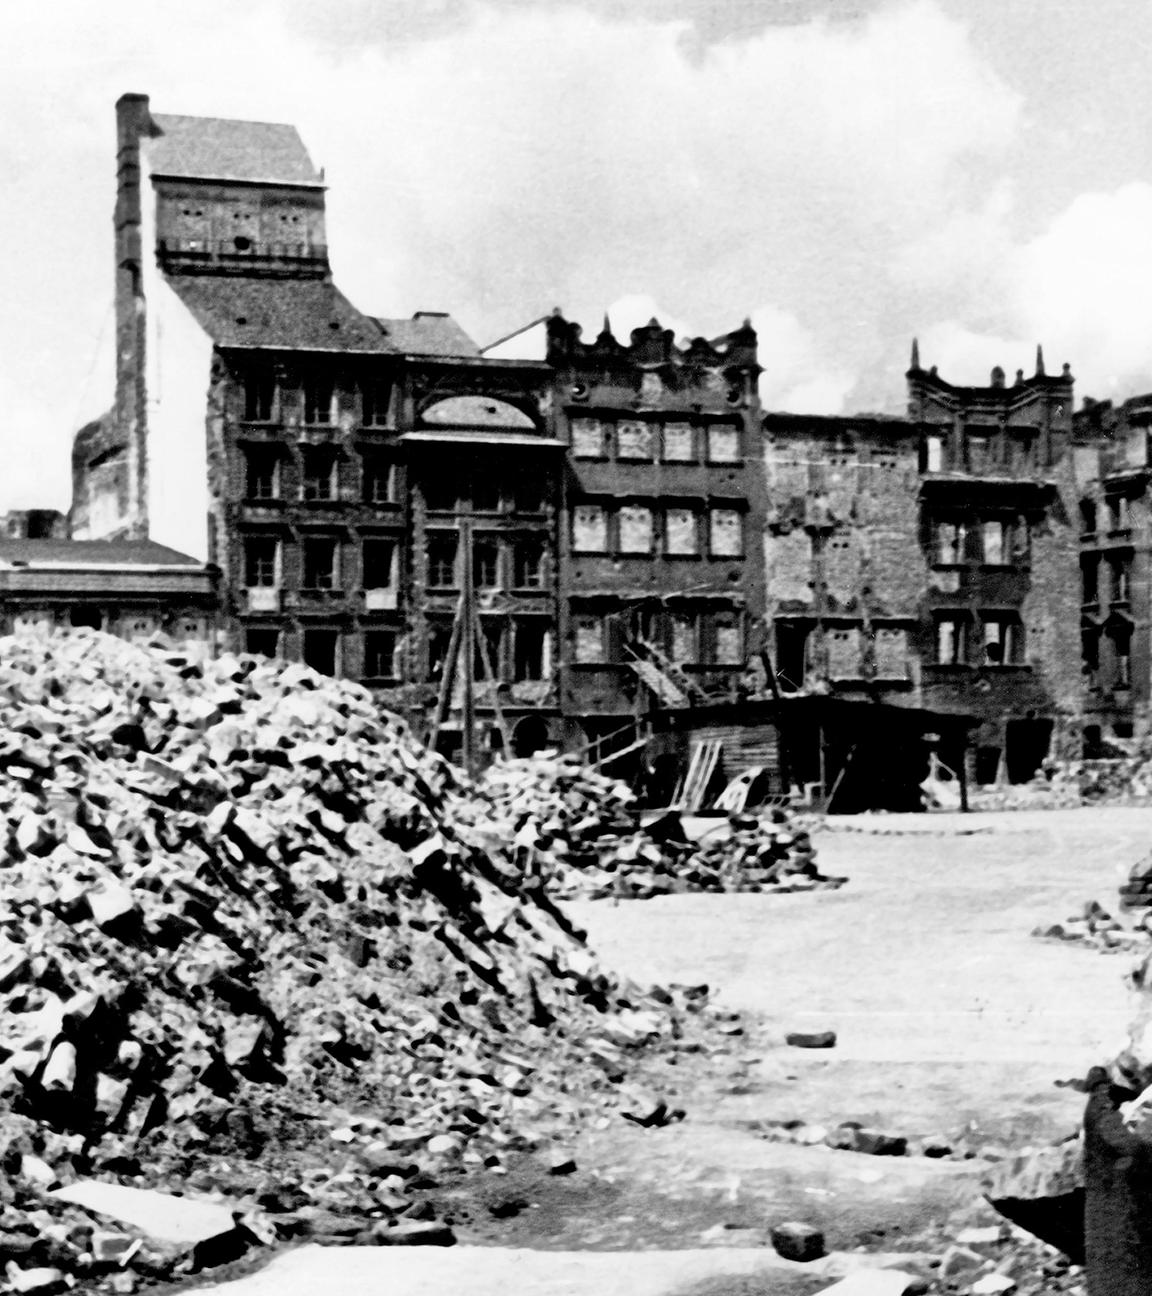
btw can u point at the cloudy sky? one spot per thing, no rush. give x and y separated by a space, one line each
848 173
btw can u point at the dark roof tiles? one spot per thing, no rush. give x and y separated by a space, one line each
288 314
428 334
91 553
216 148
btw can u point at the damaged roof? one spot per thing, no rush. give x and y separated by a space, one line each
282 314
218 148
430 333
91 553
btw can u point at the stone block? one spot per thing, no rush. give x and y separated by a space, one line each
796 1241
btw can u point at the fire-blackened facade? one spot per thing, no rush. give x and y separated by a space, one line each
661 568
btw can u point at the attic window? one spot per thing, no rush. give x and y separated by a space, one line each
241 319
241 243
333 324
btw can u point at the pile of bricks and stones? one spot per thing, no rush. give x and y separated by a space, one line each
254 938
1096 928
576 830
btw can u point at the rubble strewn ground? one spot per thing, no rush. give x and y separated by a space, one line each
577 830
253 941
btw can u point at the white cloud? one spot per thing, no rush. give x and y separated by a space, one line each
520 160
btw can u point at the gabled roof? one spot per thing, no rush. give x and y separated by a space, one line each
91 553
216 148
278 314
428 333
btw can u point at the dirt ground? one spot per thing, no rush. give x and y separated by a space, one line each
952 1021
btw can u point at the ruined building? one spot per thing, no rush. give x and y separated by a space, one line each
932 561
1114 468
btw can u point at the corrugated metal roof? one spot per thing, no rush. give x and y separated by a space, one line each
429 333
218 148
293 314
91 553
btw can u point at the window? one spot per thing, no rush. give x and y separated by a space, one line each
259 397
950 645
317 473
321 650
262 641
725 533
996 538
261 561
442 561
681 535
379 563
587 438
1090 651
1002 641
979 454
635 529
488 661
318 393
528 495
485 495
1118 513
951 542
723 444
1087 516
380 654
589 632
685 642
441 492
379 480
1121 583
934 454
726 645
261 473
890 653
791 655
1089 580
1121 637
486 564
439 637
635 440
530 657
528 564
679 444
375 398
321 563
589 529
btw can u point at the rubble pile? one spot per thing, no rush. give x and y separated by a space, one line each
1095 928
251 933
576 830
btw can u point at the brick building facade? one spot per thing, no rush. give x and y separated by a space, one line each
932 561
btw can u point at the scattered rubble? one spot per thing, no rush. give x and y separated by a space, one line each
578 831
258 943
1095 928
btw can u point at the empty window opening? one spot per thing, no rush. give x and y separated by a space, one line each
261 473
528 564
262 641
379 558
380 654
318 400
259 397
321 563
317 473
531 650
321 650
379 480
442 561
261 562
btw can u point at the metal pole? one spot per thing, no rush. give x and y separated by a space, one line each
468 648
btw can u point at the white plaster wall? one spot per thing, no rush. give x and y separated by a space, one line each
179 370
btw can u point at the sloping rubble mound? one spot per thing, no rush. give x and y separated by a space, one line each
577 831
240 910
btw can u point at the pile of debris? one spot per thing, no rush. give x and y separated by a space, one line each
577 831
251 932
1095 928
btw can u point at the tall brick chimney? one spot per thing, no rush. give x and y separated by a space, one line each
133 120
